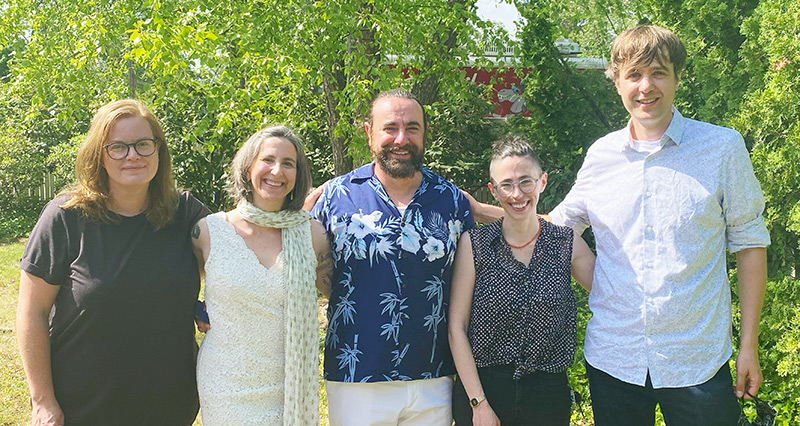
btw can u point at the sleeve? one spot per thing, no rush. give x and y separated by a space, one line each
572 212
195 209
742 201
47 252
464 209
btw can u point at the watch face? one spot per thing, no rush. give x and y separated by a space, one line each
474 402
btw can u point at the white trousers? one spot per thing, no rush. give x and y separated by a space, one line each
415 402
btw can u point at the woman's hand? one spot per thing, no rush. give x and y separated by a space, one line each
483 415
46 414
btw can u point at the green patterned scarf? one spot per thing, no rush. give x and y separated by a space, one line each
301 358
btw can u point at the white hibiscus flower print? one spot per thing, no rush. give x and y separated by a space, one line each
434 249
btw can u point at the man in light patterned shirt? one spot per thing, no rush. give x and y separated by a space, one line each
665 197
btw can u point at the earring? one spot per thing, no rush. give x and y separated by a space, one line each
291 196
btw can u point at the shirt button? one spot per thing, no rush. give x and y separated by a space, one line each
404 255
649 265
648 193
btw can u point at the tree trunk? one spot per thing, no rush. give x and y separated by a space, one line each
427 90
333 81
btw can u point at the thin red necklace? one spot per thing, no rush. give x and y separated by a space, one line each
526 244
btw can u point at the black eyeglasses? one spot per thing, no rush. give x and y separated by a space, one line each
765 413
526 185
119 150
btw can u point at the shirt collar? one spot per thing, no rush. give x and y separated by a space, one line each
363 173
673 134
495 230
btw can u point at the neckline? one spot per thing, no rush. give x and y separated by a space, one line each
535 235
240 238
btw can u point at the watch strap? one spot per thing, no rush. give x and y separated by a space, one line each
474 402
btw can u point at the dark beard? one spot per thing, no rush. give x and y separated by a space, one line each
400 169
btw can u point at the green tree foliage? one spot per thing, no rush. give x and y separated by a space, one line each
714 80
569 109
770 122
215 72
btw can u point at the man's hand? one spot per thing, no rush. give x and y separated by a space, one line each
482 212
748 373
312 197
201 317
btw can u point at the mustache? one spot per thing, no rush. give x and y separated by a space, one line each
411 149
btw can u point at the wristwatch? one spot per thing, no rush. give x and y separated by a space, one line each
477 400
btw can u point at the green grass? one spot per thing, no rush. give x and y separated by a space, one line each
14 405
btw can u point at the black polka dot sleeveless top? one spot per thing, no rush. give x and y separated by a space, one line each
523 315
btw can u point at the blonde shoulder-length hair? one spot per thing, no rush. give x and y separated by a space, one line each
91 192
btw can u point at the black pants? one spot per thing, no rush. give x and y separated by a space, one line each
616 403
536 399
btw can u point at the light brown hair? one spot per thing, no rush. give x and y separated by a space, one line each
239 185
91 192
643 44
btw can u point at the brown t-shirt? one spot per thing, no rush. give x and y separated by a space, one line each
121 330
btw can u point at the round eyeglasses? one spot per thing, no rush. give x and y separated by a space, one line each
120 150
526 185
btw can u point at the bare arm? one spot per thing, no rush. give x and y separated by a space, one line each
582 262
482 212
751 267
461 292
36 299
325 265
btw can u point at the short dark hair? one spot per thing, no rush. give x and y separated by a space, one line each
643 44
396 93
514 145
239 185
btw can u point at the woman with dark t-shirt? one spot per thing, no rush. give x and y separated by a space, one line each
108 285
512 310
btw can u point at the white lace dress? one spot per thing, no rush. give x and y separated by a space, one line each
240 367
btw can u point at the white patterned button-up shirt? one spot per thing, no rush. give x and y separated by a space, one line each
662 221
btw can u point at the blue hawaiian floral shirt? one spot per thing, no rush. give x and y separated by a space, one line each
388 309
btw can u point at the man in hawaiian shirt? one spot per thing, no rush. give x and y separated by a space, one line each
394 226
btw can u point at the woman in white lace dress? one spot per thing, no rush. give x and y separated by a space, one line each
258 364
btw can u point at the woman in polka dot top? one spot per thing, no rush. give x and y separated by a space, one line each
512 310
